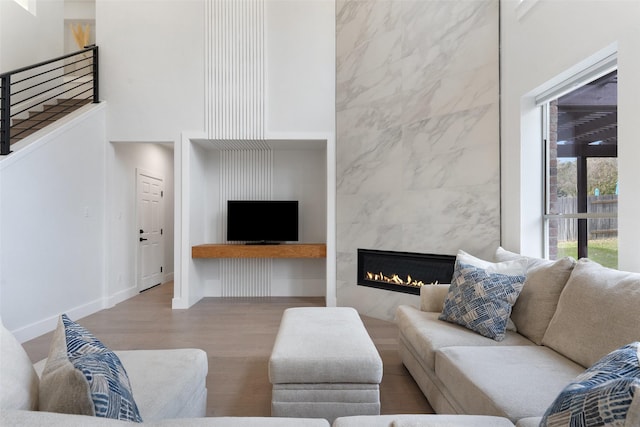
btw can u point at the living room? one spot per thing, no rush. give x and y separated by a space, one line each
514 186
425 112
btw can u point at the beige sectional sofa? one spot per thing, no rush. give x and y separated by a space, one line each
569 314
170 392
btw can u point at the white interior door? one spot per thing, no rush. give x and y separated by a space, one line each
150 193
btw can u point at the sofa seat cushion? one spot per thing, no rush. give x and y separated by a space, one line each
427 334
52 419
513 382
167 383
243 422
422 420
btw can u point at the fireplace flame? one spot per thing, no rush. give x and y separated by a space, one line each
396 280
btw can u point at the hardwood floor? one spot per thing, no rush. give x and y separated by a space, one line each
238 335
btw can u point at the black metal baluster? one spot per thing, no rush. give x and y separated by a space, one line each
5 115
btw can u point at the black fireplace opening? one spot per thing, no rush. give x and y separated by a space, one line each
403 271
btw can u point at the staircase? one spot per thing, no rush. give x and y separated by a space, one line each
35 96
21 128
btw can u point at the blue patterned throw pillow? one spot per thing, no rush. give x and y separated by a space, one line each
481 300
82 376
606 394
108 380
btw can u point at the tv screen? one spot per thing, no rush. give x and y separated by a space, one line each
262 221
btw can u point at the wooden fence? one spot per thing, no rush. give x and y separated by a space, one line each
600 228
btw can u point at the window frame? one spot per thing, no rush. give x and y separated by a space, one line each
543 100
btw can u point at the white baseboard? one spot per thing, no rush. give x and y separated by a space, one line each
168 277
118 297
180 304
48 324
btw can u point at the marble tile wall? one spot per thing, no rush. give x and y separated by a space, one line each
417 134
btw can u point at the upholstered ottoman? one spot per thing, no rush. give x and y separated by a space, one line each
324 365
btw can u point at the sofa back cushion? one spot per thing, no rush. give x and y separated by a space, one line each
538 300
597 313
18 380
432 297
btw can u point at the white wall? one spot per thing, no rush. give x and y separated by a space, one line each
550 39
151 67
124 160
52 227
26 39
194 214
300 58
152 74
79 9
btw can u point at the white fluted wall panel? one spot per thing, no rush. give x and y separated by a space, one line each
235 69
246 277
245 174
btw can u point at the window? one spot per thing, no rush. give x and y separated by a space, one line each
581 188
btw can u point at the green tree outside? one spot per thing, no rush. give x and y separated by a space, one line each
602 173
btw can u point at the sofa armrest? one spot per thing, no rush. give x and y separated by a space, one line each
432 297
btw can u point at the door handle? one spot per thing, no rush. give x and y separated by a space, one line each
141 231
142 239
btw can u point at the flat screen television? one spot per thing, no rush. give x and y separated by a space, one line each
262 221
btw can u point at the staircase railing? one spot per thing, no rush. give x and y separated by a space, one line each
24 92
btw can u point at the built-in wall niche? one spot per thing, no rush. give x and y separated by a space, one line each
78 33
79 15
258 170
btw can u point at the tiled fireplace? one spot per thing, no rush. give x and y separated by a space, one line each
411 132
402 271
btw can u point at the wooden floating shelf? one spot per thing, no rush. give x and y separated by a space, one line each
302 250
